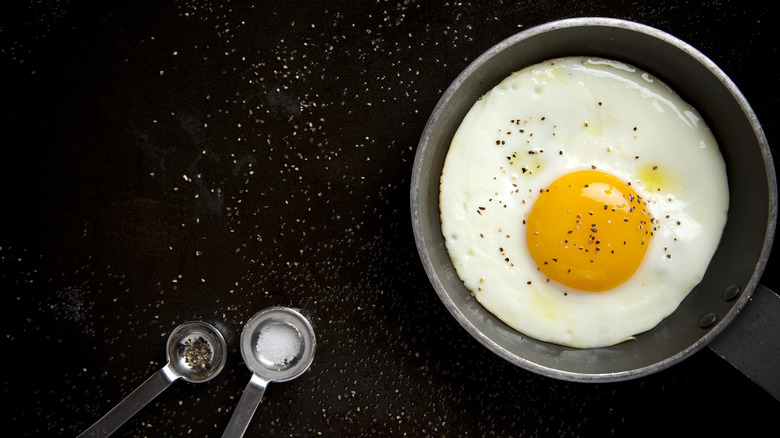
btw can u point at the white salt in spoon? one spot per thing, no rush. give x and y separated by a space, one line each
196 353
277 345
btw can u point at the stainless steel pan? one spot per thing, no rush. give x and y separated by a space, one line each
735 269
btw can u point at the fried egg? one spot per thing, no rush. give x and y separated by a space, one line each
581 201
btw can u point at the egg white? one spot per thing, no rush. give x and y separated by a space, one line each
557 117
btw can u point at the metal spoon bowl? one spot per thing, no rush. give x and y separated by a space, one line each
195 353
277 345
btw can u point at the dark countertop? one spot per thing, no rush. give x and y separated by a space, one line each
178 160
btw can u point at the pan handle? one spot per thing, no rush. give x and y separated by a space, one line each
751 343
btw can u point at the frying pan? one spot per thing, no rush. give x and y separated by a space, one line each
735 269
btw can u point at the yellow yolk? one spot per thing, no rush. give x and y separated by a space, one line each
589 230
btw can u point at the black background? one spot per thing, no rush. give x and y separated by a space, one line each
173 160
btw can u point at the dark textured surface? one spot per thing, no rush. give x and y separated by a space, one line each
176 160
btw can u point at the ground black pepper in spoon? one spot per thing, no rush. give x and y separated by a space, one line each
196 353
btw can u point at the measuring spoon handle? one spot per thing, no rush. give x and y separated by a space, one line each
246 407
133 403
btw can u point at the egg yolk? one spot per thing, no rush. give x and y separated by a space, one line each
589 230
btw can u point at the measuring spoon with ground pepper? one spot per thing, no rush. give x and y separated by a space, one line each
195 352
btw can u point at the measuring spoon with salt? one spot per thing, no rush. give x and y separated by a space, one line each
278 345
195 352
